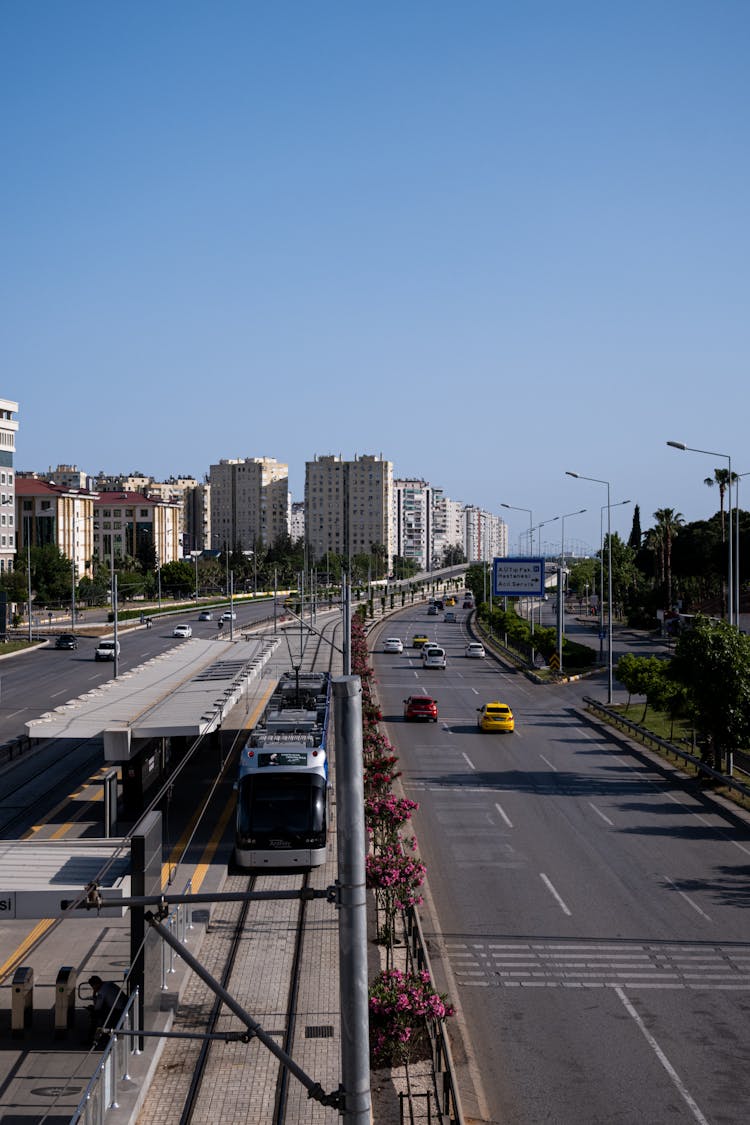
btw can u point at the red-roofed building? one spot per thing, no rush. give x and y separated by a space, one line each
122 520
50 513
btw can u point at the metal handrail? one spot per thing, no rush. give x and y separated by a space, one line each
442 1057
668 747
101 1093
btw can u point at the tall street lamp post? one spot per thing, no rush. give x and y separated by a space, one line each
195 555
737 478
538 529
596 480
730 576
560 591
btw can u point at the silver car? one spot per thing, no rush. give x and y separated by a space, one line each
435 658
475 651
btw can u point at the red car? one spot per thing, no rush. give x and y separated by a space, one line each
421 707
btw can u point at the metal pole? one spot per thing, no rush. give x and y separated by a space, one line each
609 594
275 595
346 644
28 572
351 840
601 582
231 605
114 606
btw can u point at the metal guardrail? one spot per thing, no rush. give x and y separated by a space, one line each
442 1059
102 1091
668 747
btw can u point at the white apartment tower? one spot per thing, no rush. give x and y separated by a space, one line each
485 535
8 431
349 507
413 521
249 502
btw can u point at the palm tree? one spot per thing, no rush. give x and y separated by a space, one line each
668 523
723 479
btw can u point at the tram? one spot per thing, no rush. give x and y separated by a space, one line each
282 788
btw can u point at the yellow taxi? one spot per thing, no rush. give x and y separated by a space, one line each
450 601
495 716
418 640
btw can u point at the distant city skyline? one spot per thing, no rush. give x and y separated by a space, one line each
493 243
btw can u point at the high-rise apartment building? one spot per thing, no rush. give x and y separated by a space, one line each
349 507
413 502
8 431
485 535
124 521
249 502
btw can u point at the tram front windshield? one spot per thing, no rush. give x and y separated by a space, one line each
295 803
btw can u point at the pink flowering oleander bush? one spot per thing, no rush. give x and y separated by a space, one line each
385 813
380 773
402 1005
396 877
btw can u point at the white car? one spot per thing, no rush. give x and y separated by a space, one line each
427 649
475 651
393 644
227 615
107 650
205 615
182 631
435 658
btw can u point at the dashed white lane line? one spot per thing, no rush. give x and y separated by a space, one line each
688 899
469 762
677 1081
548 884
549 763
602 815
504 815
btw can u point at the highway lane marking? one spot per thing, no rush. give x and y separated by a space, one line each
549 763
504 815
548 884
678 1083
601 814
468 761
55 694
13 714
688 899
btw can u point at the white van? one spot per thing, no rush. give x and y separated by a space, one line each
107 650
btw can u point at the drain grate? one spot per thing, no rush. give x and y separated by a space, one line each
319 1031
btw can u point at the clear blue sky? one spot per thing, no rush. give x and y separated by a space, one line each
492 241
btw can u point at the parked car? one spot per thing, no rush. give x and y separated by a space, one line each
475 651
418 640
495 716
393 644
449 615
205 615
182 631
435 658
107 650
421 707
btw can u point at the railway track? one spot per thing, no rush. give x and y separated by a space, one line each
257 952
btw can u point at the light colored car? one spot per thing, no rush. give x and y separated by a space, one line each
449 615
495 716
393 644
426 648
432 610
205 615
182 631
107 650
475 651
227 615
435 658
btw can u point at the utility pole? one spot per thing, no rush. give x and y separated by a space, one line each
351 846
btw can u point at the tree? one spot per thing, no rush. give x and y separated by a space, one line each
669 523
453 555
642 675
712 661
636 535
723 479
178 579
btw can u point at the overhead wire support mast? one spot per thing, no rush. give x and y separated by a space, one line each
314 1090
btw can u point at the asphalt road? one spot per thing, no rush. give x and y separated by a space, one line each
591 906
